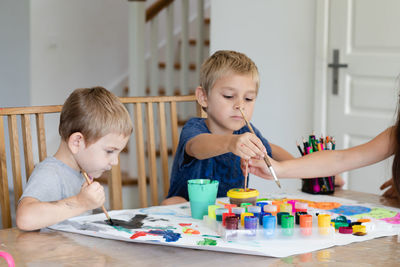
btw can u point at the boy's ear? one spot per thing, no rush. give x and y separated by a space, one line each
76 141
201 96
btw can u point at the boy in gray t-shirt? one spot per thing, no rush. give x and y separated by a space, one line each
94 128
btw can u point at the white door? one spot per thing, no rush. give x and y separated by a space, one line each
366 36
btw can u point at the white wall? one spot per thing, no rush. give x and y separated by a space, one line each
14 53
279 36
76 44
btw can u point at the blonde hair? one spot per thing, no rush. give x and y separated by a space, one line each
224 62
94 112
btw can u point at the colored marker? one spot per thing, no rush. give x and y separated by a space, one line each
299 148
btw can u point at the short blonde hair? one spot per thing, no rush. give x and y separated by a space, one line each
94 112
224 62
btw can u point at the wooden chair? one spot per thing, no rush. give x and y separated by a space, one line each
12 165
152 135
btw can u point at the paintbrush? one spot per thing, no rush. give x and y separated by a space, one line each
246 174
102 207
271 170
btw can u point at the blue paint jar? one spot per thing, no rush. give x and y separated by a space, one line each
269 224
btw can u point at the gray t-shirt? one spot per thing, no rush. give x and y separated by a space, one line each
53 180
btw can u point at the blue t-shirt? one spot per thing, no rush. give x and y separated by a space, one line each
225 168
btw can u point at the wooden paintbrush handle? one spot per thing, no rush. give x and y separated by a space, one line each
102 207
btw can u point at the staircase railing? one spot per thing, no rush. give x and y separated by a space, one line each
146 27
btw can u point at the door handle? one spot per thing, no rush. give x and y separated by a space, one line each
335 65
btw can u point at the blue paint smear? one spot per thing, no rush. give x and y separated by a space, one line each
351 210
169 235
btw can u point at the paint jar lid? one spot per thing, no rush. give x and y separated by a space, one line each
240 193
342 219
238 210
270 208
287 221
359 229
230 206
269 221
220 211
254 209
231 222
245 204
261 204
250 222
301 205
340 224
346 230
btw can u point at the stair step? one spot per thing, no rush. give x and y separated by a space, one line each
162 92
177 65
193 42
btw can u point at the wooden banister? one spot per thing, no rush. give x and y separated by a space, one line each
156 8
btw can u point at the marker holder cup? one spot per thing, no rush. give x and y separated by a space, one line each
320 185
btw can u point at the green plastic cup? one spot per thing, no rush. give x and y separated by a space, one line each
202 193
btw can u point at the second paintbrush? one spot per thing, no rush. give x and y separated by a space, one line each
265 157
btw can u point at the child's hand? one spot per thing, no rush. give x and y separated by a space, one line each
391 192
247 146
91 196
258 167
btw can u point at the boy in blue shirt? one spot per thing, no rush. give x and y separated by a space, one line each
94 128
212 148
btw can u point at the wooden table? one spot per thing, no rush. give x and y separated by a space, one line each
52 248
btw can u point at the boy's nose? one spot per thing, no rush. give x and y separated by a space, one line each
239 105
114 161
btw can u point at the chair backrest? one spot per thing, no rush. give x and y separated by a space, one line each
24 115
156 134
21 119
